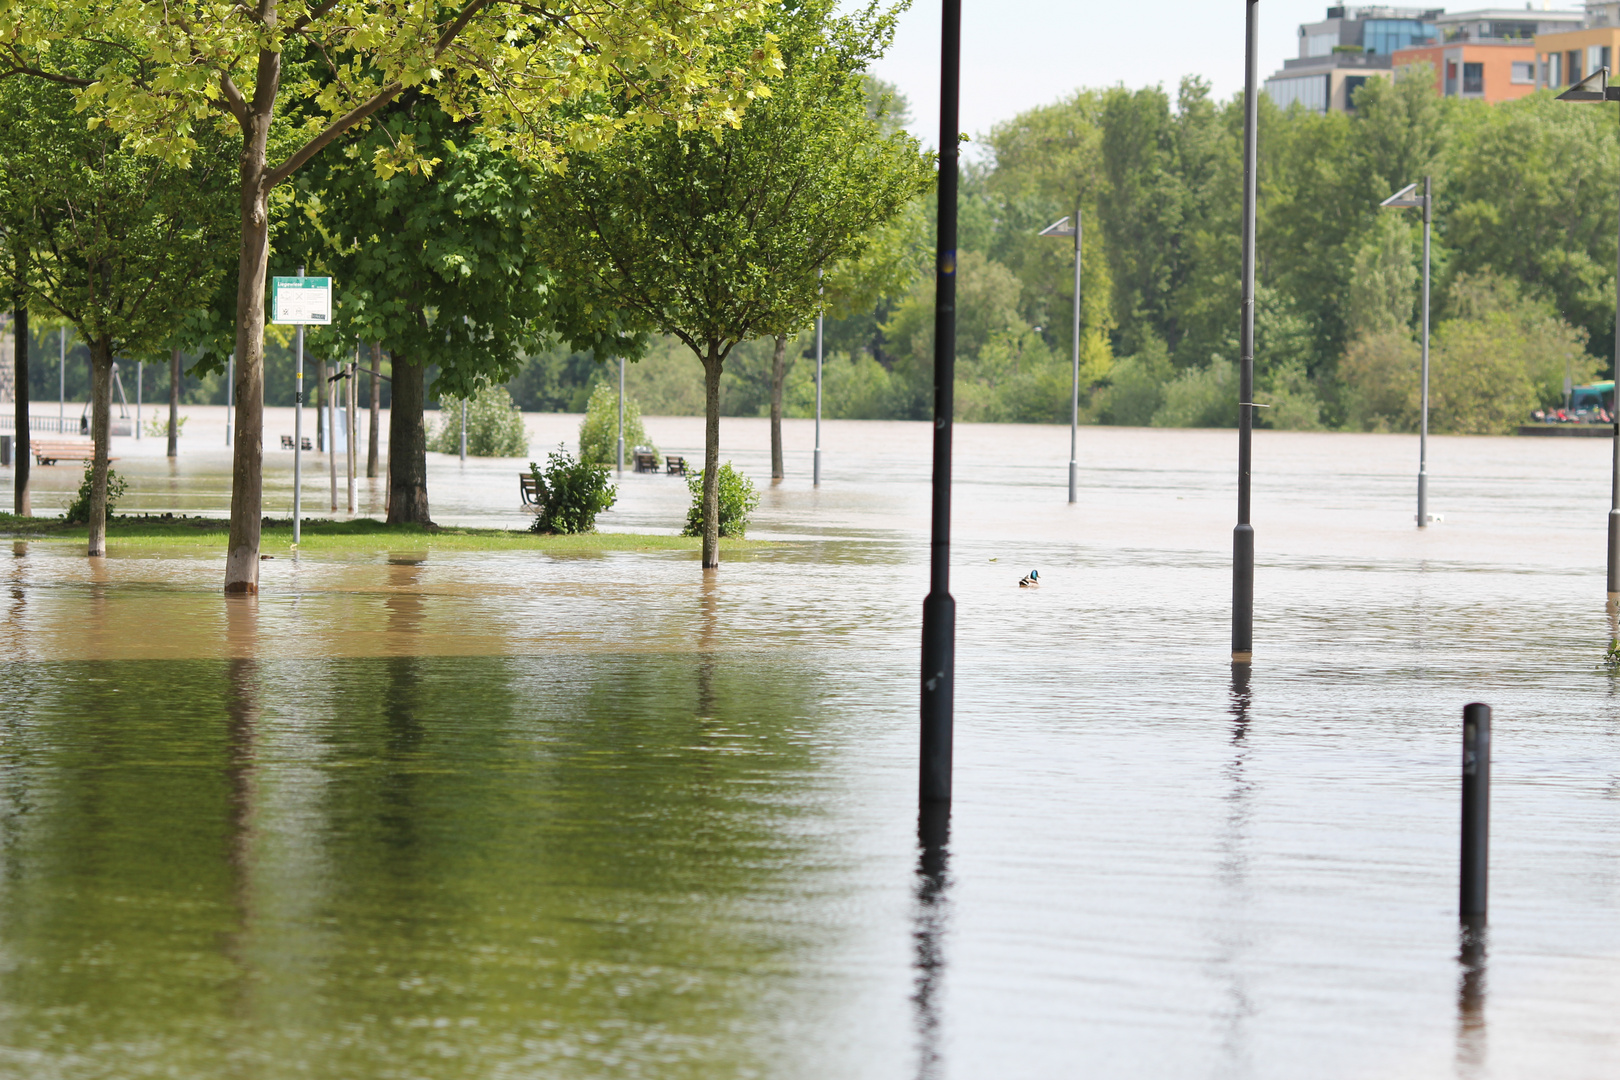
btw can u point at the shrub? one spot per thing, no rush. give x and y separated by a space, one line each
738 498
1203 397
570 494
494 425
158 426
78 511
599 431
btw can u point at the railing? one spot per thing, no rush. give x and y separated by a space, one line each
66 426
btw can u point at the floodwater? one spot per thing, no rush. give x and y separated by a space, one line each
458 815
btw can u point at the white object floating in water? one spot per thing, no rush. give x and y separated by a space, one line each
1434 519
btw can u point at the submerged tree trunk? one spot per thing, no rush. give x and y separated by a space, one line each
712 365
778 375
320 406
376 384
101 364
407 447
174 403
22 451
247 475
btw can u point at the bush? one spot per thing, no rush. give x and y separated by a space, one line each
158 426
1136 385
738 498
494 426
599 431
570 494
1203 397
78 511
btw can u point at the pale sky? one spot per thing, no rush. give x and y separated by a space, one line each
1017 54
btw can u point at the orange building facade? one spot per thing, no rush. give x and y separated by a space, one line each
1564 59
1486 70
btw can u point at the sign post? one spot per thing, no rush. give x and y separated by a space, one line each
300 301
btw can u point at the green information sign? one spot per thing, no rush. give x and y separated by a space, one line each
301 300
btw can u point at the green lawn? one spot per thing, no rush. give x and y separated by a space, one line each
362 534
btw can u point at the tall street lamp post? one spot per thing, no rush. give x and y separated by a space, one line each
1595 87
1407 199
1243 534
1063 227
815 467
939 609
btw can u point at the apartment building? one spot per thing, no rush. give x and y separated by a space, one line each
1339 54
1489 54
1567 57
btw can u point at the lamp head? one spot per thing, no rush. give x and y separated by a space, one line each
1595 87
1060 227
1406 198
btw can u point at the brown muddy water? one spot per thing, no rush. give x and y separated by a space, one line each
457 815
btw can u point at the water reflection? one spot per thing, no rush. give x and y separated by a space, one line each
930 922
1232 938
1474 939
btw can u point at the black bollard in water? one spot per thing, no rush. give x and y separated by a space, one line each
1476 810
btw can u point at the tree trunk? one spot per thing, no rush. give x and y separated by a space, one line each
247 474
376 385
407 447
712 365
100 417
174 403
22 451
778 374
320 407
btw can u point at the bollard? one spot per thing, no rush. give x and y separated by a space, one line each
1476 810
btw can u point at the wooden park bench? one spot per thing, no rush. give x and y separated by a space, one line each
287 443
646 462
675 465
531 492
49 452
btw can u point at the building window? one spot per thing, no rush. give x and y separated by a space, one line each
1321 44
1573 59
1384 36
1473 78
1524 71
1310 92
1594 57
1554 76
1451 78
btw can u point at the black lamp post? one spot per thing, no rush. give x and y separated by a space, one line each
1243 534
939 609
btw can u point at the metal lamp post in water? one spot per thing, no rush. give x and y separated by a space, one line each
1595 87
1063 227
1408 199
1243 534
939 609
815 467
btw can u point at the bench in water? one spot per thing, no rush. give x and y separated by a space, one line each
49 452
287 442
675 465
530 490
645 462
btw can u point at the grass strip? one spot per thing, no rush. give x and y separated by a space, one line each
359 534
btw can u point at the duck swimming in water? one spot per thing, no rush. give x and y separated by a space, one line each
1033 581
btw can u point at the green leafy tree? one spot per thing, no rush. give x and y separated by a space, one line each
119 244
599 431
433 265
494 425
718 240
536 80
